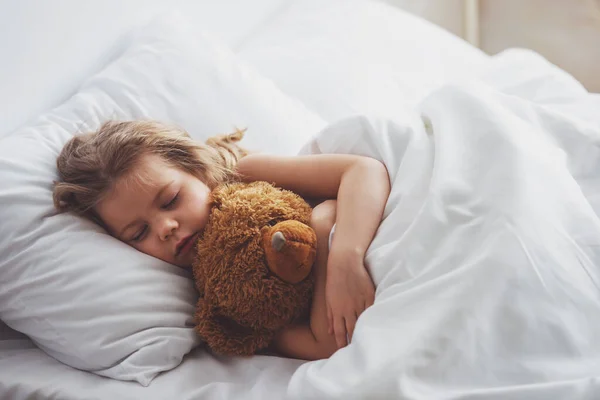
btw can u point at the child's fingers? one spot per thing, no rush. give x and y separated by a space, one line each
339 327
350 324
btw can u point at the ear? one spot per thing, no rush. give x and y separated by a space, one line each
225 336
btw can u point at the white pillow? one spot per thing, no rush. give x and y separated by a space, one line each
85 298
347 57
50 47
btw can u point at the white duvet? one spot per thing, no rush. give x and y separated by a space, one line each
486 263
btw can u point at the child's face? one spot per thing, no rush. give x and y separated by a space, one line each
161 214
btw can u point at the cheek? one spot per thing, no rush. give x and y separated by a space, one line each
151 247
145 247
200 202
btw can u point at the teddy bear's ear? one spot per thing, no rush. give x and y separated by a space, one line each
221 193
216 196
225 336
199 279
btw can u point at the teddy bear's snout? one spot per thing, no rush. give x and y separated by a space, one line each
290 249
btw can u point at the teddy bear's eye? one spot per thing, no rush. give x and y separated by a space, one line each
273 222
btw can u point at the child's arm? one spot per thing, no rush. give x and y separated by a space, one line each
361 186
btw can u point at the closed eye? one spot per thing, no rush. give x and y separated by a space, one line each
140 235
171 203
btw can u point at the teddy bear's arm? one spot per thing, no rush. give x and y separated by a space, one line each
224 336
258 300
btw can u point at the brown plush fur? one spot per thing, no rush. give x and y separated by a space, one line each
252 285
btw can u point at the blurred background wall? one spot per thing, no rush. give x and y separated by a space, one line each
566 32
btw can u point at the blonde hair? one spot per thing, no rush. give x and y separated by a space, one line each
90 164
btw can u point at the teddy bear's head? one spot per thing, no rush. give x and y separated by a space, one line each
253 266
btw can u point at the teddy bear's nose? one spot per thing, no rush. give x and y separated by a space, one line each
278 241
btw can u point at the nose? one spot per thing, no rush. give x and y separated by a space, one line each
166 227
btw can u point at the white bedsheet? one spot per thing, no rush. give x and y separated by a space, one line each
486 262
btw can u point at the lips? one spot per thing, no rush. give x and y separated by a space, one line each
185 244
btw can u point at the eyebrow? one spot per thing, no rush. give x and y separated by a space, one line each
155 201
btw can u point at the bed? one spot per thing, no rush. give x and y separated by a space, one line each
469 302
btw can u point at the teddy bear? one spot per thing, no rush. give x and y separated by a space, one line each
253 266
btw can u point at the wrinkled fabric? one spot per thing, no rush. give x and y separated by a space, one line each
487 259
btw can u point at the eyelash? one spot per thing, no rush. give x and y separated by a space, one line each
140 235
171 203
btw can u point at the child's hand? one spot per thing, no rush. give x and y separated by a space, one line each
349 291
